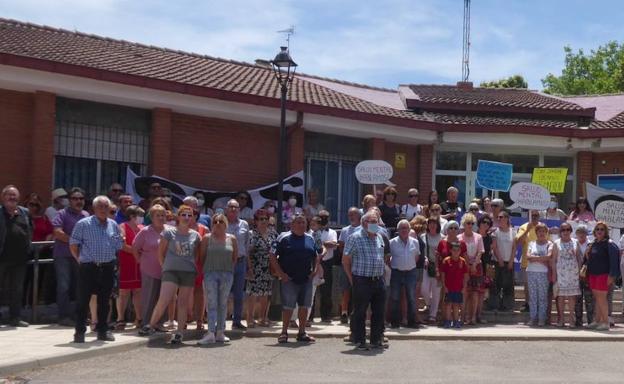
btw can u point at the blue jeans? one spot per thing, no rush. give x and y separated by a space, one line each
217 289
398 280
238 288
66 269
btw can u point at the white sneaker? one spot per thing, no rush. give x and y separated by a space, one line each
221 338
602 327
209 338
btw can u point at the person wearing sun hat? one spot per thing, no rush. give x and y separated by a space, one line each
60 200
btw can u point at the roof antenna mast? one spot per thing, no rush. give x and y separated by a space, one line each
289 32
466 47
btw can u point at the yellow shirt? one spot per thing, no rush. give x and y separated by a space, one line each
531 236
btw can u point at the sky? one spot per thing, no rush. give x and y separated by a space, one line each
379 43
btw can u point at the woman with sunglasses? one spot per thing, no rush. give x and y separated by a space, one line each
603 267
474 252
539 255
431 283
219 252
582 211
177 251
504 247
259 279
566 267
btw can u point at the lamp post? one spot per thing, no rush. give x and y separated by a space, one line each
284 69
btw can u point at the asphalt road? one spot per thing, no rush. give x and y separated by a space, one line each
262 360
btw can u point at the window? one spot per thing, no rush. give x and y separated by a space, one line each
521 163
333 177
95 143
451 161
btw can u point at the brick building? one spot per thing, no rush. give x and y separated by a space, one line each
77 109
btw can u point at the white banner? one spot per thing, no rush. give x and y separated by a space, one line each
138 187
608 205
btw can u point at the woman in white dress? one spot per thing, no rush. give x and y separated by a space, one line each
566 268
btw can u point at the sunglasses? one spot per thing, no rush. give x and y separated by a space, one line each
187 215
453 228
469 222
218 222
600 229
413 196
487 223
474 209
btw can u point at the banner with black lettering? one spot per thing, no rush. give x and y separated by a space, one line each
608 205
138 187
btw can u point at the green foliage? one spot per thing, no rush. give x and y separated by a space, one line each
515 81
601 71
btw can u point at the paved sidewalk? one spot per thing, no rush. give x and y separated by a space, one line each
23 349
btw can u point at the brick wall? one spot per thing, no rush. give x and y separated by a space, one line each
42 150
585 169
160 143
407 177
425 171
16 122
613 164
221 154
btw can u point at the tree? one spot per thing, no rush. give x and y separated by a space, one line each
601 71
515 81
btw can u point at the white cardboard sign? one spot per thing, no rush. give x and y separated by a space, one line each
529 196
374 172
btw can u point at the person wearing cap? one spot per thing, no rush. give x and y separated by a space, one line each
295 258
240 229
364 264
65 265
59 201
454 275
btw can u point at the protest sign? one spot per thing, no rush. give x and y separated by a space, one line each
374 172
529 196
608 205
494 176
553 179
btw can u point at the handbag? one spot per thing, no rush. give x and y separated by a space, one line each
583 270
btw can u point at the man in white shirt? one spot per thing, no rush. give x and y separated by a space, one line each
404 254
412 208
354 218
329 238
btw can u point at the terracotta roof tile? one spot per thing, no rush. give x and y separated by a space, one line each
124 57
494 97
454 119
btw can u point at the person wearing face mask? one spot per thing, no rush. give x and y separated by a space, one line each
205 213
59 201
364 263
65 266
129 269
290 210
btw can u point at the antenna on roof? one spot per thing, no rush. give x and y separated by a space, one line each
289 32
466 47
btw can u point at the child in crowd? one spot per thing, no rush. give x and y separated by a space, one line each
454 272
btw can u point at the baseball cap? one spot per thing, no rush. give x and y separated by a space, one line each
59 192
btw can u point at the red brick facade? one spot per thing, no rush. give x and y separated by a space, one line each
404 178
160 143
42 151
585 165
425 171
607 164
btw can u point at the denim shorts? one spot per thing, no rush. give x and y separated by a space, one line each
179 278
296 294
454 298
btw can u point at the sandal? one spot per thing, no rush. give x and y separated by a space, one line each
304 337
264 323
283 338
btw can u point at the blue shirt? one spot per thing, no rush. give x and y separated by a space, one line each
367 255
296 255
205 220
120 217
98 242
240 229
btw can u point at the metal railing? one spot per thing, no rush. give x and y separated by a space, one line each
36 262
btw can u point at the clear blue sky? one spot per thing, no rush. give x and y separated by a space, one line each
383 43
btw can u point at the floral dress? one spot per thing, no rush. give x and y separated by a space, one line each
567 268
261 284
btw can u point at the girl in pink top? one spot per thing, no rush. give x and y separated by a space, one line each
582 211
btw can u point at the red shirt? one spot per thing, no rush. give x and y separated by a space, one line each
42 228
454 272
444 249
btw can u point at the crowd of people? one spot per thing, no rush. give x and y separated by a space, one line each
400 265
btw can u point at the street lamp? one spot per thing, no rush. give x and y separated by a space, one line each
284 69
